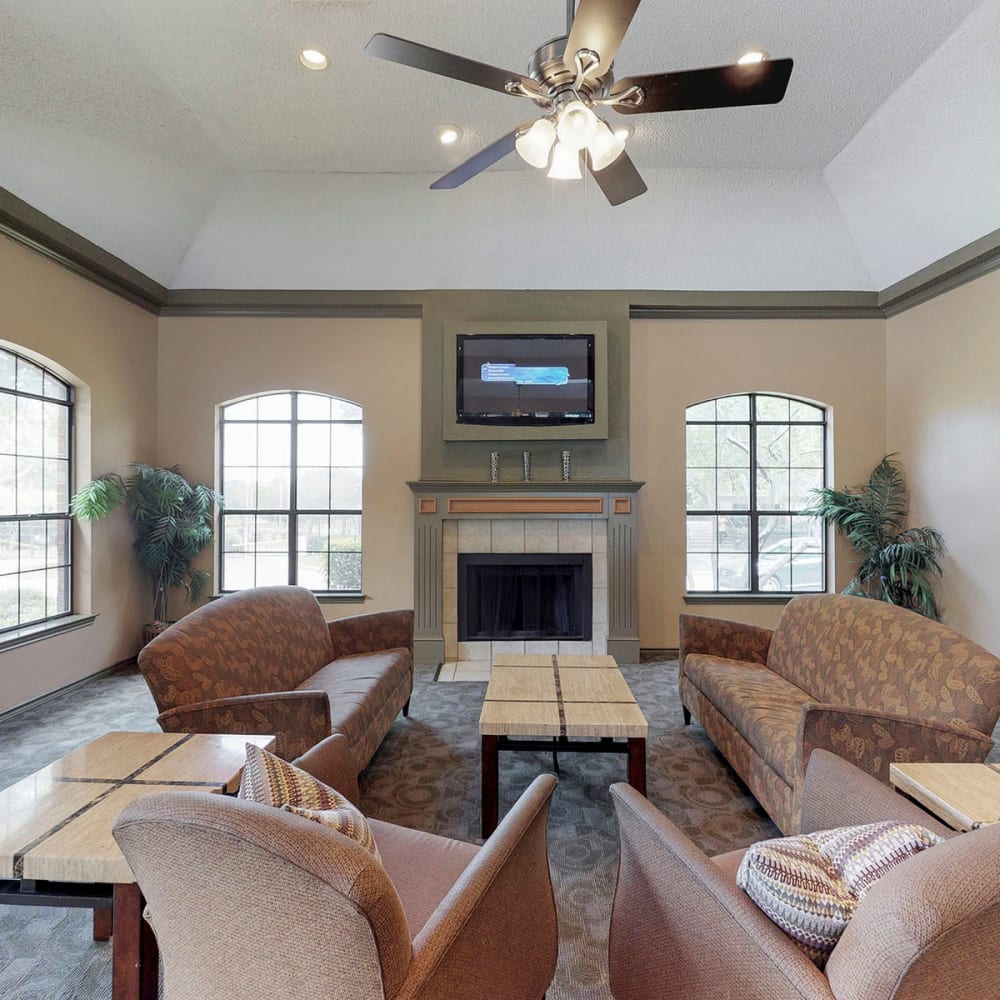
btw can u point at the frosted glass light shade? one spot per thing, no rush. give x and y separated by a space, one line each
533 146
605 147
565 163
577 125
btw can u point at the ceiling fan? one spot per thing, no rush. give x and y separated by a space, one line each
568 77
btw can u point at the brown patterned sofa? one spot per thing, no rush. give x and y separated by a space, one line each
869 681
264 660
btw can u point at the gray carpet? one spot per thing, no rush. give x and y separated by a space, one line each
425 775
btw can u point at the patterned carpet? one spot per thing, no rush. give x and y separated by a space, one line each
425 775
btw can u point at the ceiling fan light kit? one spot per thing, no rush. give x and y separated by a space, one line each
570 76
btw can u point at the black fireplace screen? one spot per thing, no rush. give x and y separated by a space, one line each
534 596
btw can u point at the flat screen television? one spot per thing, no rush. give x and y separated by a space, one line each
525 380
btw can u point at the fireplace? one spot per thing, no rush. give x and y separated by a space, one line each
525 596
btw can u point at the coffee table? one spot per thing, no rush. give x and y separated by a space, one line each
56 846
582 703
965 796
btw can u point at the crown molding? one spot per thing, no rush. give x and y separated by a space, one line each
970 262
38 232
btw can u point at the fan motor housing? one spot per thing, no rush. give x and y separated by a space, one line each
548 67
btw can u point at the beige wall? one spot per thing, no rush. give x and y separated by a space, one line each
943 393
674 363
376 363
108 348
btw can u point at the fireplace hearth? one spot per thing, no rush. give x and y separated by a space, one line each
524 596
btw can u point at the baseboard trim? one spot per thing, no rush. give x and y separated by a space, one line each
115 668
653 654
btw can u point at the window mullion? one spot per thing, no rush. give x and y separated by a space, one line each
754 532
293 491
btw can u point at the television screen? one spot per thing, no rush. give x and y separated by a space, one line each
525 379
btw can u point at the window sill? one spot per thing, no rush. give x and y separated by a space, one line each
321 596
43 630
745 598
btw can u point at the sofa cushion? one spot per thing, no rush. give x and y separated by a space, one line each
764 708
271 781
810 885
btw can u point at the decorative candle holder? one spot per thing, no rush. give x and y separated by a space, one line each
494 467
526 462
565 466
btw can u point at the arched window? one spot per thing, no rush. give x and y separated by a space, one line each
291 469
752 461
36 421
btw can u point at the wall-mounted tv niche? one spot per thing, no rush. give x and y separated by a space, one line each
525 381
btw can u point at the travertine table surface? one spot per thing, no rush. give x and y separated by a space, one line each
965 796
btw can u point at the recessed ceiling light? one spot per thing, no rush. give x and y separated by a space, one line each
448 135
313 59
623 132
748 58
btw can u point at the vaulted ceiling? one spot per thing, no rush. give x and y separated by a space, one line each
186 139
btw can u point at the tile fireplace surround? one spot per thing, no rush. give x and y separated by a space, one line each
598 517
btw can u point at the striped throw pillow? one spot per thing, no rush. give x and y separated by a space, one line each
810 885
271 781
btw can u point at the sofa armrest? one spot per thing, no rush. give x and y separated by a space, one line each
372 633
297 719
332 762
495 933
680 926
873 740
719 637
836 793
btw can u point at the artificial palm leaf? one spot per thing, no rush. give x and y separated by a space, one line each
172 521
896 563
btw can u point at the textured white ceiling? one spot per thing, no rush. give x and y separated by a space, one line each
185 138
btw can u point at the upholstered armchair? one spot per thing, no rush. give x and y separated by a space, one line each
681 927
247 901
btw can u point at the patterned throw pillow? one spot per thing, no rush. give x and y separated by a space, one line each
272 781
810 885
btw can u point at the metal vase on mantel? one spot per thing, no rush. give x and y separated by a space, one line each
494 467
526 462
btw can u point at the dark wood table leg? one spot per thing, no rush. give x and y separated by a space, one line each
103 924
637 764
491 785
135 956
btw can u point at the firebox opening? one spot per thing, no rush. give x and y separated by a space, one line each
532 596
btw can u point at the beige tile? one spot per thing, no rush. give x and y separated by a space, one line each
599 536
446 672
566 646
507 646
599 569
507 536
574 535
449 536
449 570
600 605
472 670
474 650
541 536
473 536
449 605
541 646
450 642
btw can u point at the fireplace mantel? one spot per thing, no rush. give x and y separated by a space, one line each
613 502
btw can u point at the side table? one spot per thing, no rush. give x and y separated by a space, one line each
965 796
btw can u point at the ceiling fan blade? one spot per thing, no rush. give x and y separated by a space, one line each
599 25
399 50
619 181
476 164
716 87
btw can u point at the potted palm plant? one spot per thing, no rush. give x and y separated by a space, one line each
172 521
897 563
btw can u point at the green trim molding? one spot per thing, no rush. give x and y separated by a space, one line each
36 231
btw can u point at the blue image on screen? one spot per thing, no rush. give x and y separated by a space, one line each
538 375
